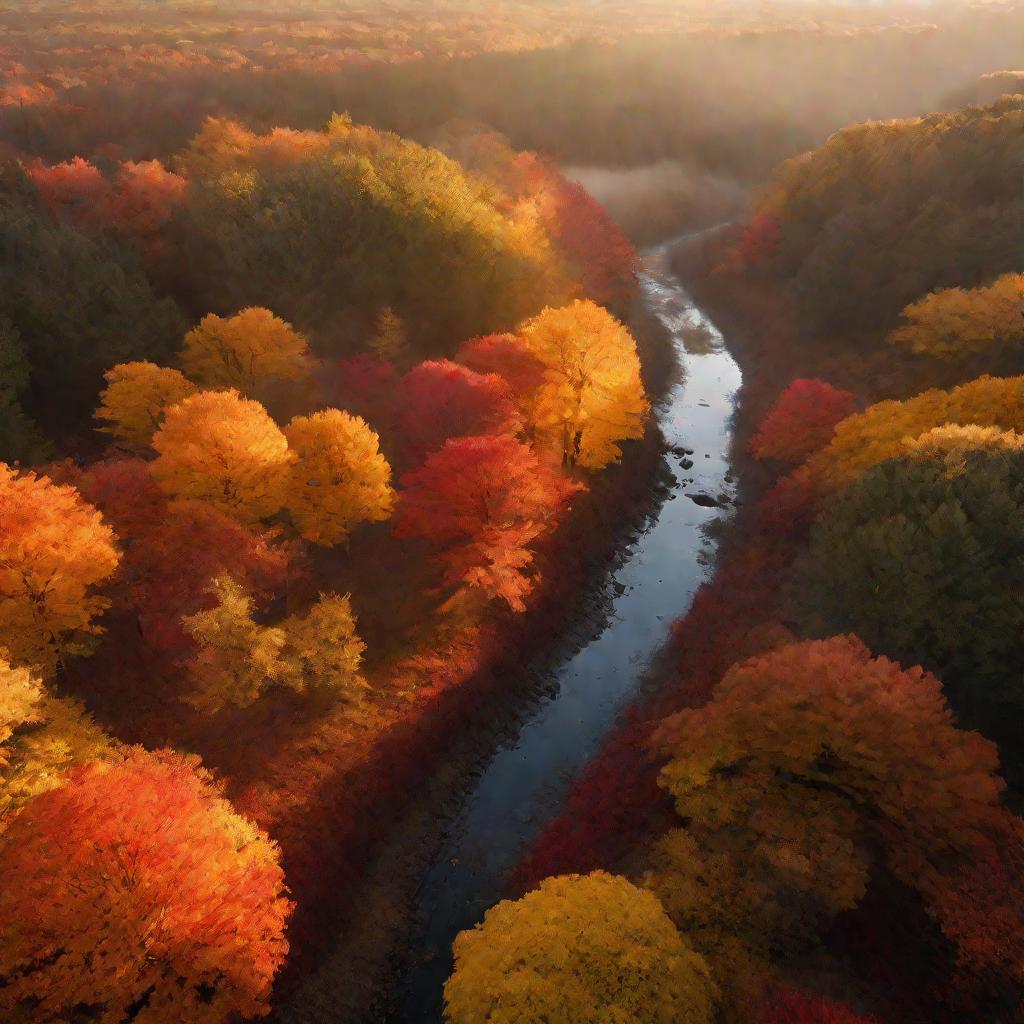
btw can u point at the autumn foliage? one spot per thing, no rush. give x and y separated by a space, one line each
136 398
483 500
55 551
136 888
579 949
222 448
801 421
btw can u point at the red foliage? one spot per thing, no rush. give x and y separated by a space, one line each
484 500
788 1007
437 401
605 260
365 386
801 421
136 884
141 198
506 355
788 508
760 241
173 549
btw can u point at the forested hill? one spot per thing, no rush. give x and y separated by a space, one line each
886 212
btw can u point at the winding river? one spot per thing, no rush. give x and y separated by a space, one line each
523 786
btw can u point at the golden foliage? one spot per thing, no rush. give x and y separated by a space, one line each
592 396
136 397
958 322
54 549
576 950
879 433
338 477
20 694
245 350
224 449
238 659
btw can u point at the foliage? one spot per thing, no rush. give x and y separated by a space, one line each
801 421
422 238
136 889
20 439
79 304
592 397
390 339
508 356
922 558
959 322
224 449
576 950
885 212
437 401
807 764
43 738
136 397
244 351
868 438
485 500
338 477
238 658
54 550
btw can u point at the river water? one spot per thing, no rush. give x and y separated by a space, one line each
523 786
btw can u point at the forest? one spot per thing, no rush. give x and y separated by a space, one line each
509 512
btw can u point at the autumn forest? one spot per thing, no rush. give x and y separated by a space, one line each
511 512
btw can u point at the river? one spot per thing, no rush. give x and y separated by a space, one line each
524 784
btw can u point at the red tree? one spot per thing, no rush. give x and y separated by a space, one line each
509 357
801 421
365 386
760 241
605 260
75 191
437 401
137 889
484 500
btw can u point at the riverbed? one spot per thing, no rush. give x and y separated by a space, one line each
524 784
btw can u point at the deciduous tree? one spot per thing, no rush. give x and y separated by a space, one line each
801 421
578 949
136 397
807 763
956 323
54 551
136 889
245 351
592 397
441 400
484 500
338 477
224 449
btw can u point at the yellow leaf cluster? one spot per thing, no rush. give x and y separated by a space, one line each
338 477
576 950
881 431
20 694
952 443
592 397
238 659
136 397
958 322
54 549
245 351
219 447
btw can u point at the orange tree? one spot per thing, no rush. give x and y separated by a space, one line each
807 766
135 888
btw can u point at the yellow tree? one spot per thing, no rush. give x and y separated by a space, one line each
41 738
959 322
238 659
224 449
339 477
54 550
390 339
879 432
137 395
576 950
245 350
592 396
